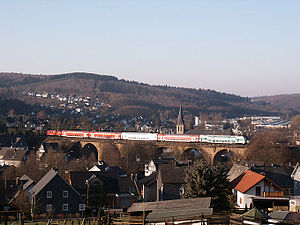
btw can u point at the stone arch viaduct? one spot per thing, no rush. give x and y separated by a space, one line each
210 152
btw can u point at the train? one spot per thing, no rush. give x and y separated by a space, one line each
135 136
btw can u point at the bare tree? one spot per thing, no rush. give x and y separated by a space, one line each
21 201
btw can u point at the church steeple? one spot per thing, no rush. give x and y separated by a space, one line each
180 122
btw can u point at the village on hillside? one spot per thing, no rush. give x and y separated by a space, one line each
41 182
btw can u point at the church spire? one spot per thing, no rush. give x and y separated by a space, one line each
180 116
180 122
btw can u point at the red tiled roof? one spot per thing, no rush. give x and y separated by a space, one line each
249 179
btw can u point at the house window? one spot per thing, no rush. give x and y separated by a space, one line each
241 201
49 208
65 207
258 191
49 194
81 207
65 194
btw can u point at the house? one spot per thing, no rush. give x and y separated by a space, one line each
107 187
25 184
53 195
295 204
181 211
12 156
296 179
257 190
170 182
41 151
279 175
153 165
16 141
103 166
149 187
45 148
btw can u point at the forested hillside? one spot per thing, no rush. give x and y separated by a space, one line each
286 103
128 97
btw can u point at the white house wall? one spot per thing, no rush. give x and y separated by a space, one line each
248 195
150 168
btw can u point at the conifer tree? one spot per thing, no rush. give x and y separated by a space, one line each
202 180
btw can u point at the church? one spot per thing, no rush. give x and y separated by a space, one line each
180 123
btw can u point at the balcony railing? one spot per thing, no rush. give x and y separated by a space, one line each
273 194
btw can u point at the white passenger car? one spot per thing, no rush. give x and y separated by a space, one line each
139 136
222 139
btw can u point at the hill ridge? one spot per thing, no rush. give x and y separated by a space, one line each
124 95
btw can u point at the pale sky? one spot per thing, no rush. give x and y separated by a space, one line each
245 47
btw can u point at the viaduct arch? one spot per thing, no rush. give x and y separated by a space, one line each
210 152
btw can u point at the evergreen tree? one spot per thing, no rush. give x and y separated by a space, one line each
202 180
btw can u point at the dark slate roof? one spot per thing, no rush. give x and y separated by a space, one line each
6 141
43 182
102 166
149 179
179 204
12 140
50 147
117 170
171 174
279 175
20 142
16 154
159 162
125 183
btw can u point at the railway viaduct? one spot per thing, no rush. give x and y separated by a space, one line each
210 152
